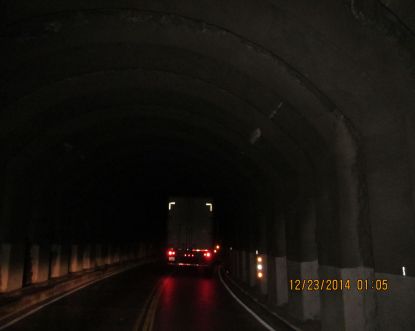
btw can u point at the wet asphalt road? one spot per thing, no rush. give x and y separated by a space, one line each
184 300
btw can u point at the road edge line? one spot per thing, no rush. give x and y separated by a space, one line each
31 312
249 310
282 319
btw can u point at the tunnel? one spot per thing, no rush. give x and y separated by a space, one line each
295 117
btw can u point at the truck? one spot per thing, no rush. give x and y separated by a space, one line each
190 232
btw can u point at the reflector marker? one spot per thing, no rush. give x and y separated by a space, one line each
259 267
171 204
210 205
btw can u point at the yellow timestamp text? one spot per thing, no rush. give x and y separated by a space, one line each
338 284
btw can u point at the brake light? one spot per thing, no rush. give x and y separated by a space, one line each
171 252
207 254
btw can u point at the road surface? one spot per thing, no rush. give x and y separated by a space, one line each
148 298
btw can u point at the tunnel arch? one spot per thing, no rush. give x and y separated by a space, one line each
269 67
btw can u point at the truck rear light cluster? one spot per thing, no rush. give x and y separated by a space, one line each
171 252
207 254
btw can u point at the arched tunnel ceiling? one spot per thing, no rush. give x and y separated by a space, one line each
294 117
99 83
115 82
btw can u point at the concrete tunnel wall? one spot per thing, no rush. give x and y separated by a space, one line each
297 116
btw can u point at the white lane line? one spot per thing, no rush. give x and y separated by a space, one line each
252 313
271 312
249 310
59 298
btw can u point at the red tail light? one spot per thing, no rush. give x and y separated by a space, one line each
207 255
171 252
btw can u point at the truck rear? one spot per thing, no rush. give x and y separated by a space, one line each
189 232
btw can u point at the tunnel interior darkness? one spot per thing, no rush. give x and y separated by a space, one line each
106 111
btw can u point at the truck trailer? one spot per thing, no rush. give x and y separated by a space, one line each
190 232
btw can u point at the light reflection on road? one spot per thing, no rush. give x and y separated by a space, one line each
193 301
